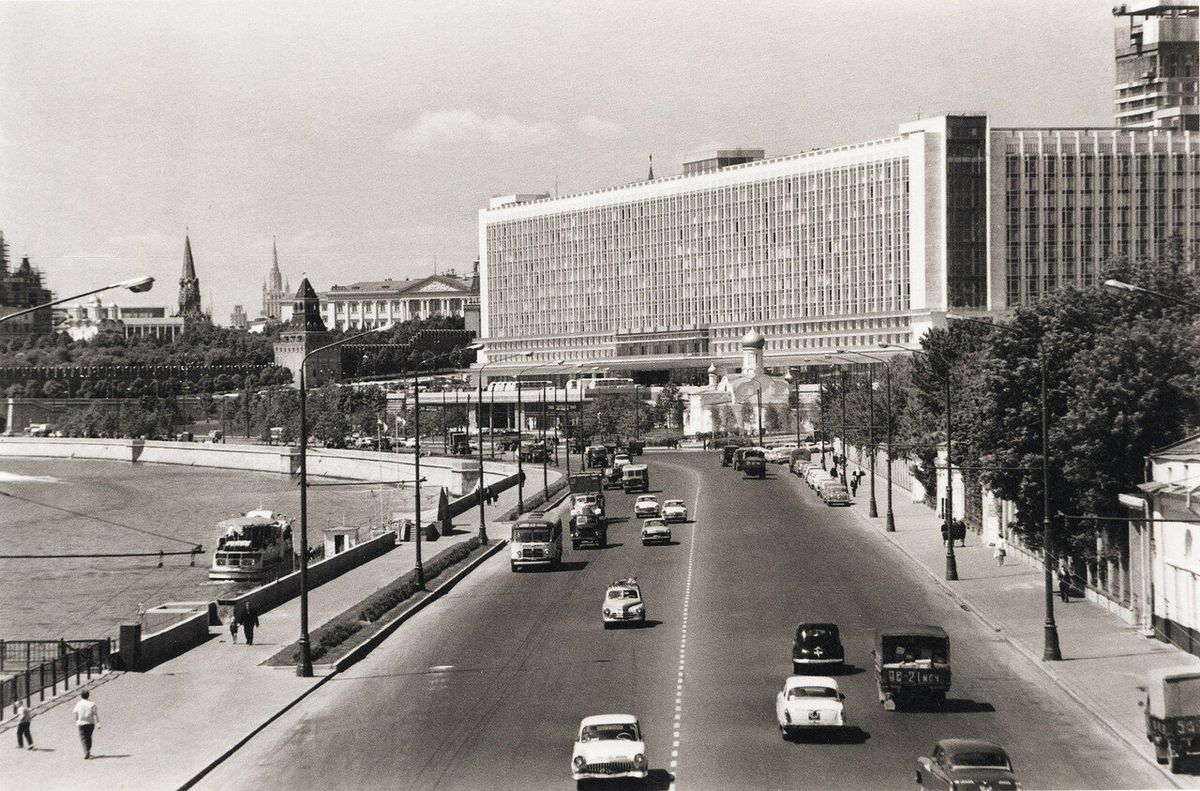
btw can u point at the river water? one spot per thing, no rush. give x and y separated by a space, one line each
67 506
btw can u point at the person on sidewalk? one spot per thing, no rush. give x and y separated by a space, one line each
86 718
1064 586
854 476
24 716
249 623
1001 550
960 532
234 619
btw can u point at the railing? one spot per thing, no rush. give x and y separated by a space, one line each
40 665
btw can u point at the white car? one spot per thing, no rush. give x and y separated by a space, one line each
780 453
620 460
623 603
609 746
674 511
645 505
656 531
809 702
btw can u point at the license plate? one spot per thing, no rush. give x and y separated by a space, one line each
915 677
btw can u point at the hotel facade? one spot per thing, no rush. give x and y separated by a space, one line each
837 248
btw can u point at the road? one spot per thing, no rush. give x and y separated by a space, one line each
486 687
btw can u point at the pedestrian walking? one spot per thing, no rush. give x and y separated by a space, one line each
24 716
86 718
1064 587
960 532
833 471
854 484
249 623
234 619
1000 551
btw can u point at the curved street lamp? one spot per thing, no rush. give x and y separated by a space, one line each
137 285
483 538
1120 286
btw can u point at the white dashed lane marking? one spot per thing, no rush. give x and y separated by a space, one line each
687 602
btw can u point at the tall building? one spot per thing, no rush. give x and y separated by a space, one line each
276 292
1158 65
238 319
303 333
189 285
829 249
373 303
22 288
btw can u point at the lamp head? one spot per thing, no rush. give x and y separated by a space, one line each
137 285
391 325
954 317
1117 285
473 347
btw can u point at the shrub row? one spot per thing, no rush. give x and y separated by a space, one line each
378 604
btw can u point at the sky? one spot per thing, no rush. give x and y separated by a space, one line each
365 136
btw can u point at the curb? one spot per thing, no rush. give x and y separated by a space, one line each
1118 731
357 654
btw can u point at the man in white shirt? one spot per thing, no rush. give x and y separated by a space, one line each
87 718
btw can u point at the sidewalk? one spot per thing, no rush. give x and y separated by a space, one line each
1104 659
160 728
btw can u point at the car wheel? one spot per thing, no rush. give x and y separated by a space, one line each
1176 764
513 566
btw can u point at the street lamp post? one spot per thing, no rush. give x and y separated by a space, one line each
887 377
873 511
1117 285
1051 650
304 666
483 537
137 285
948 519
845 458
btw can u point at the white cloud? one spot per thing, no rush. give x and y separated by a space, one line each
432 129
598 127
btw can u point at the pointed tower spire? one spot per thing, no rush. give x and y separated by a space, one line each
189 284
306 309
651 176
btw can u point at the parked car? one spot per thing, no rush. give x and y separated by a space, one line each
816 476
623 603
809 702
646 505
656 531
966 763
817 644
779 454
609 746
674 511
801 468
834 493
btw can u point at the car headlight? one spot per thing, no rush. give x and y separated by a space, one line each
787 715
579 761
638 608
639 761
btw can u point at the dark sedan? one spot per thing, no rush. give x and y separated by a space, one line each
816 645
966 764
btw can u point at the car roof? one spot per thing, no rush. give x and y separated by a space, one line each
955 746
647 497
810 681
674 502
913 630
816 625
608 719
655 519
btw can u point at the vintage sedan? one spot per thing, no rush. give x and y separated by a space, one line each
609 746
817 644
674 511
809 702
646 505
623 603
656 531
966 764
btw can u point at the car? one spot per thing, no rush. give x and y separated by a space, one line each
656 531
816 476
674 511
966 763
809 702
620 460
586 504
833 492
817 644
646 505
623 603
609 746
801 468
778 454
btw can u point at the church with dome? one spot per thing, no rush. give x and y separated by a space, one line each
731 402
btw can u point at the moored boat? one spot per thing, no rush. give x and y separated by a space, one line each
252 547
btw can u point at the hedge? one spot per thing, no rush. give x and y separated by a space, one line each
383 601
532 502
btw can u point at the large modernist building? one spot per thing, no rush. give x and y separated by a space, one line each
830 249
1157 65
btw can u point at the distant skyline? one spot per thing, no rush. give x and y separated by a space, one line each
365 136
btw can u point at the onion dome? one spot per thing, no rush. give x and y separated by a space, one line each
753 340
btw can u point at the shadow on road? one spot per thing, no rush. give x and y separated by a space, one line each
659 780
850 735
950 706
570 565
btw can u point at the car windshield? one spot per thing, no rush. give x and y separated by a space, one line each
674 503
627 731
980 758
531 534
811 633
655 523
622 593
796 693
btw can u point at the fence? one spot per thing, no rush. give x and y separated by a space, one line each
44 664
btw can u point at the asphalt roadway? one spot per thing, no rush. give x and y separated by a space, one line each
485 688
